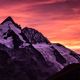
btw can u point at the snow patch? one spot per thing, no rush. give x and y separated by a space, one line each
7 42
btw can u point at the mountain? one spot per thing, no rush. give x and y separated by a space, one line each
10 32
26 54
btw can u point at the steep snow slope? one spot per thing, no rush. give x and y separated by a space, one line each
56 53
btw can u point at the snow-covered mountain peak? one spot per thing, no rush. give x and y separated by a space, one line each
10 34
8 19
7 25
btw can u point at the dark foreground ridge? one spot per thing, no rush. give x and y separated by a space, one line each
70 72
26 54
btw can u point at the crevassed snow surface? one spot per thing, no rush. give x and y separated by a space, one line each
66 54
47 53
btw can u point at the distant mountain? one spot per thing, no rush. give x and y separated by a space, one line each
25 54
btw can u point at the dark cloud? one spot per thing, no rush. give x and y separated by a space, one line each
55 6
68 9
19 1
8 3
64 6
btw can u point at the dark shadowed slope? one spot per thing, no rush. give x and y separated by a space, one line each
71 72
34 36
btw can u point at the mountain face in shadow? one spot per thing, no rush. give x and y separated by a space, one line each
70 72
34 36
26 54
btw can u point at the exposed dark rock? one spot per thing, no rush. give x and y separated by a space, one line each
34 36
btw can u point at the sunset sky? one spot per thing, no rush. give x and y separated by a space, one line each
58 20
